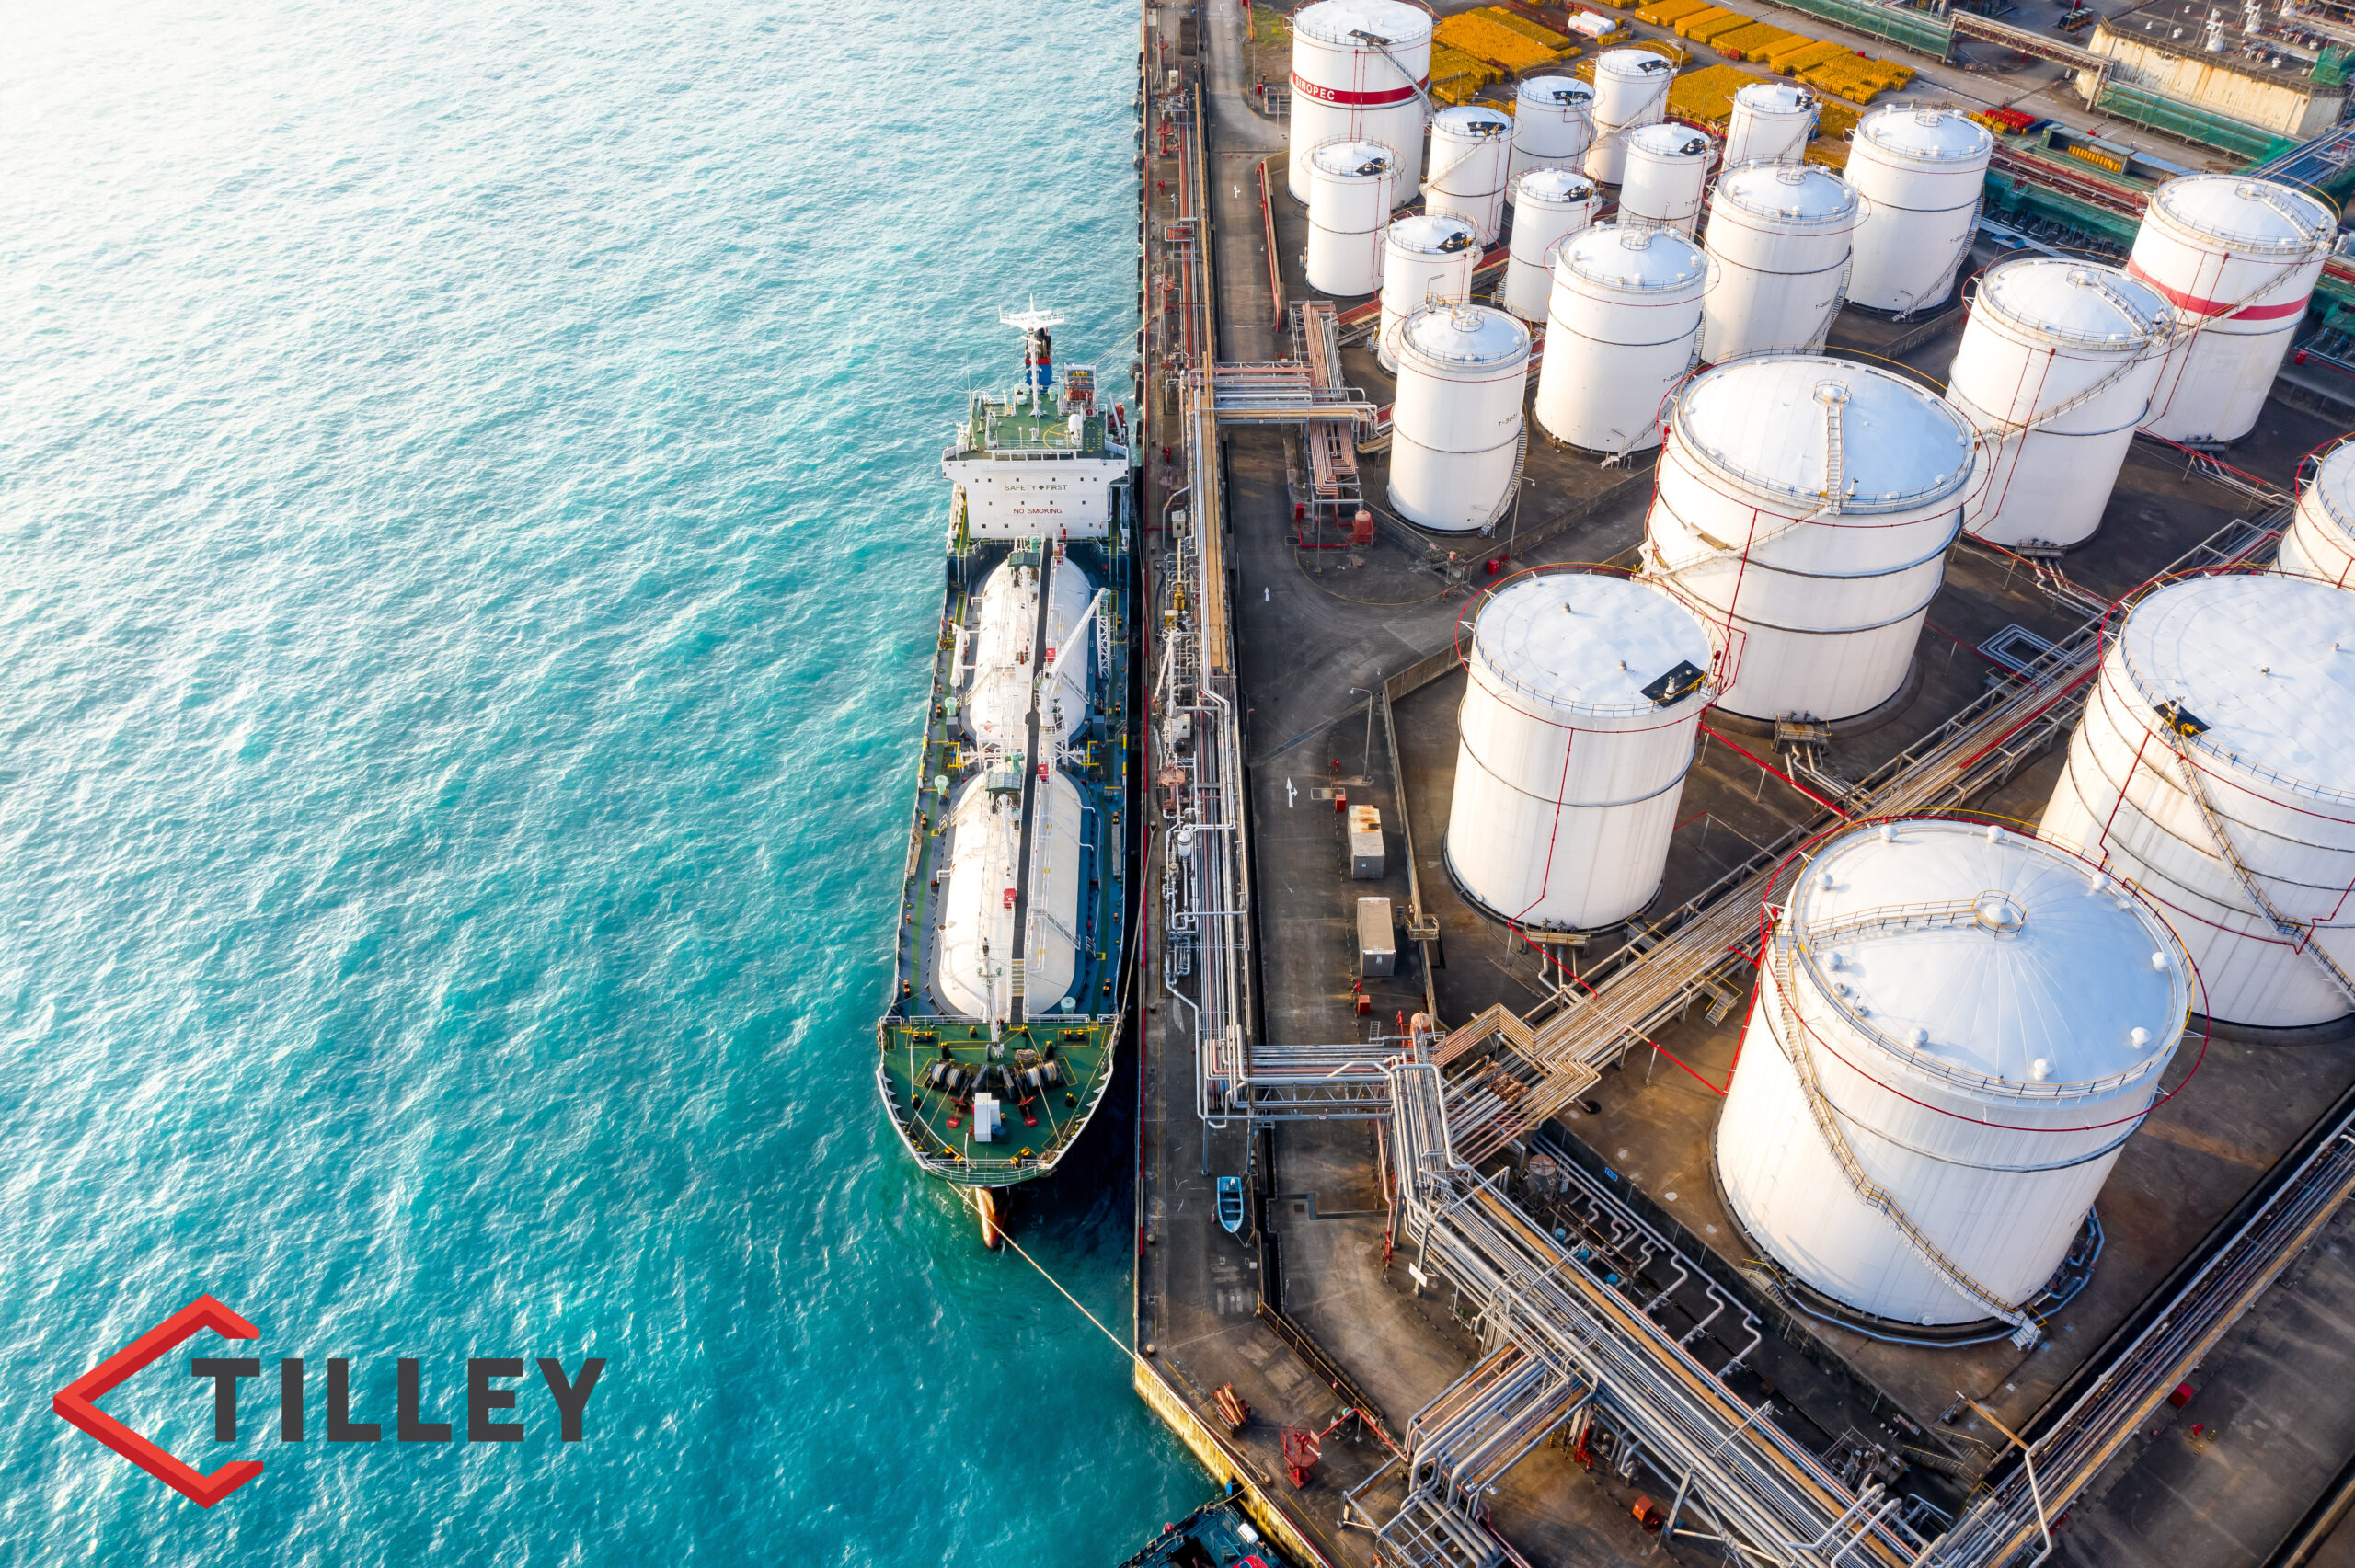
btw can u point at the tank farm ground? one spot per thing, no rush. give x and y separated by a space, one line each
1304 1314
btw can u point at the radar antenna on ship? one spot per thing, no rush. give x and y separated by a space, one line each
1038 347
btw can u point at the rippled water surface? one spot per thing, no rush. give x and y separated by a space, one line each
469 536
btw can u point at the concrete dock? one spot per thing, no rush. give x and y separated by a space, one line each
1346 686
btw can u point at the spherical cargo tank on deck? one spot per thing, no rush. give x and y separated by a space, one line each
1358 69
2217 755
1425 258
1553 125
1630 91
2238 258
1548 206
1667 170
1966 1022
1770 122
1584 695
1805 507
1921 173
1779 233
1350 188
2321 539
1465 175
1456 427
1620 328
2054 371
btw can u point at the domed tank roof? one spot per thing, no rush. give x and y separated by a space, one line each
1471 120
1775 97
1927 135
1766 423
1432 234
1562 90
1802 193
2255 215
1335 22
2333 486
2265 662
1967 948
1464 336
1666 141
1553 188
2082 303
1589 641
1638 63
1632 258
1348 158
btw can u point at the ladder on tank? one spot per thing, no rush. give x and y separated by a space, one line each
2301 937
2026 1330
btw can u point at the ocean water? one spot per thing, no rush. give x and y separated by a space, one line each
468 548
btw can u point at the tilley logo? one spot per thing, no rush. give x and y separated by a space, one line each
77 1401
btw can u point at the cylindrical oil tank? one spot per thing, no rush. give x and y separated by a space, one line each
1584 694
2054 371
1455 426
1553 125
1350 190
2250 680
1771 121
1805 505
1344 88
1667 169
1619 332
2238 260
1919 172
2321 539
1465 175
1631 92
1425 258
1548 206
1779 234
1000 682
1980 1021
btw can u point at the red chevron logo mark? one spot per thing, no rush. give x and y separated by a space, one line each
77 1401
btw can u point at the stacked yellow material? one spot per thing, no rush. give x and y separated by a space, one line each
1833 121
1683 27
1751 43
1831 154
2096 157
1476 34
1989 120
1666 13
1547 36
1706 96
1800 54
1457 76
1709 29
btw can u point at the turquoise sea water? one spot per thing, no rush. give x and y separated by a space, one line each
468 538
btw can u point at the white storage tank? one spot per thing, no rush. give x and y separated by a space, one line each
1631 92
2054 371
1667 170
2238 258
1771 121
1779 233
1465 172
999 682
1620 328
2261 668
1425 258
978 938
1805 505
1979 1022
1548 206
1583 695
1456 425
2321 538
1351 188
1921 172
1553 125
1344 88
